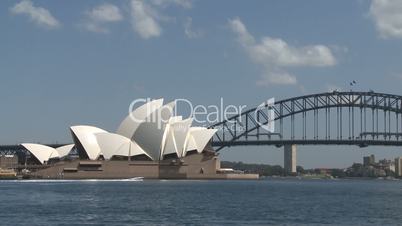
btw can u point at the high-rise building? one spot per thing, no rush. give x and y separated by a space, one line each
368 160
387 165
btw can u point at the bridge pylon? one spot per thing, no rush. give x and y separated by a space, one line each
290 159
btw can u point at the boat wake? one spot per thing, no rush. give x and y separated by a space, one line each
134 179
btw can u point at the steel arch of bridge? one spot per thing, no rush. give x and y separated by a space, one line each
340 118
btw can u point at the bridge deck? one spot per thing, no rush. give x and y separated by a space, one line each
361 143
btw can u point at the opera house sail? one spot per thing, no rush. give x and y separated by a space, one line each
150 142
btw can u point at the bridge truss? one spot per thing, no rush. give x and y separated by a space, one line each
340 118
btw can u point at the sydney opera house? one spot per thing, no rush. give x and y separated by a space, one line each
151 142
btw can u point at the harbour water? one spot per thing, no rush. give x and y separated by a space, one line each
158 202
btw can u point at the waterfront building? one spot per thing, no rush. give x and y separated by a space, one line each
150 142
8 161
368 160
387 165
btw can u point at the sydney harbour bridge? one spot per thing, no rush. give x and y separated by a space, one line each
331 118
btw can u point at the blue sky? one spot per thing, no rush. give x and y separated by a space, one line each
82 62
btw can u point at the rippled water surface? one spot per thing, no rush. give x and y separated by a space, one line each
273 201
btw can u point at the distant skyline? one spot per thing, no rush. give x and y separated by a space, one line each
65 63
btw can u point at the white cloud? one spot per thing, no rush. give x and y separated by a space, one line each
164 3
147 17
100 15
105 13
275 77
275 55
38 15
240 29
90 26
387 16
278 52
145 20
189 31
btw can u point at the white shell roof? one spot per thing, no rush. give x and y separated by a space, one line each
190 145
167 138
64 150
175 119
114 144
86 136
151 130
180 130
198 138
130 124
176 135
168 142
42 152
149 134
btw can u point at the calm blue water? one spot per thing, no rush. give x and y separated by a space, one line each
274 201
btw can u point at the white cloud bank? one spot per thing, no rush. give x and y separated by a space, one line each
38 15
189 31
275 55
145 20
146 16
100 15
164 3
387 16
